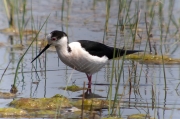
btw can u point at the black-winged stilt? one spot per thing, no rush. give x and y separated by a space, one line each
83 55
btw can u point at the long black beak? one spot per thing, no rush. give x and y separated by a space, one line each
47 46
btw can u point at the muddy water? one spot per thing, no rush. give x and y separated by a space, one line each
83 20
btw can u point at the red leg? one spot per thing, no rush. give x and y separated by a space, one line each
89 76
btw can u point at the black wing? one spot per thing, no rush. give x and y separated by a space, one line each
99 49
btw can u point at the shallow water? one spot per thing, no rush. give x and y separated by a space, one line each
86 21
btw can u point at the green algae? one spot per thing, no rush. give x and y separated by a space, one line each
13 112
44 113
138 116
112 118
18 46
153 59
15 31
7 112
72 88
41 103
49 107
7 95
86 115
92 103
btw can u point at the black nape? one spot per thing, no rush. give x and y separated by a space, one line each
69 49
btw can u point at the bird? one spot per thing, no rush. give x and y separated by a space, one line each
83 55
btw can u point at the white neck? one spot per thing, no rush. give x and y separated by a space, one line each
62 48
62 43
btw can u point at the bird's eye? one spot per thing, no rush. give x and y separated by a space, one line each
53 39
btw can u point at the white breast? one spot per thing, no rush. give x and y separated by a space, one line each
80 59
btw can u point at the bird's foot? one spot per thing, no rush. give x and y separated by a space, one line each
88 91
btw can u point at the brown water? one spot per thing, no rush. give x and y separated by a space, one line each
83 20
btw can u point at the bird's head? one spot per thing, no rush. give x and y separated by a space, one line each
55 38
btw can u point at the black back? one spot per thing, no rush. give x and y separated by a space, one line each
99 49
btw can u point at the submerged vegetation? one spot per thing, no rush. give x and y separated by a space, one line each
145 82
